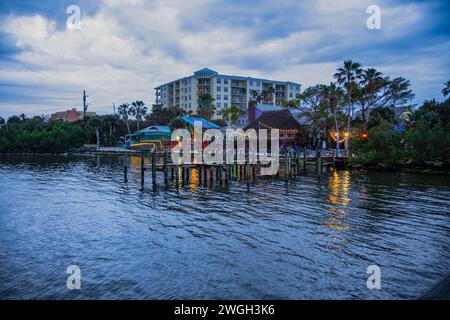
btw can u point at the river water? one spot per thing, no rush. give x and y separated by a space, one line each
307 239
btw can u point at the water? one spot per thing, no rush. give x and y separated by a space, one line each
308 239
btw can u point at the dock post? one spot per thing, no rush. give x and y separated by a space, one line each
227 174
154 166
166 168
211 175
142 168
304 158
177 173
125 168
199 172
205 174
247 170
285 166
187 175
319 163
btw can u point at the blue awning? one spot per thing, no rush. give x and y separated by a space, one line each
205 123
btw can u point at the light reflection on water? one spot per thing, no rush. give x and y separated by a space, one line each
309 238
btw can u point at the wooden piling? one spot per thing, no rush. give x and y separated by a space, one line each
304 159
125 168
154 166
286 173
142 168
166 168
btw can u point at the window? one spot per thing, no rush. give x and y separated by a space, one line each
251 83
258 84
225 81
241 99
190 106
218 113
219 96
225 97
219 80
291 95
225 89
225 105
190 97
219 105
219 89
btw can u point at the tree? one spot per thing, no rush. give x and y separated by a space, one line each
2 122
292 104
96 123
348 77
257 96
206 107
177 123
138 110
372 81
314 108
446 90
396 93
381 114
232 116
161 115
333 96
124 112
270 92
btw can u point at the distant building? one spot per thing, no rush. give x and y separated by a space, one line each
70 115
225 89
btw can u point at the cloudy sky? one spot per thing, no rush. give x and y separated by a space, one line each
125 48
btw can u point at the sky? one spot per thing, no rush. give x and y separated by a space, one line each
126 48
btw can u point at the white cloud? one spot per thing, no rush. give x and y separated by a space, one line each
129 47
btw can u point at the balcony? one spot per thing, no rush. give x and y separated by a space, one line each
240 92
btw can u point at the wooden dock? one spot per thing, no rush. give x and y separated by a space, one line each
291 165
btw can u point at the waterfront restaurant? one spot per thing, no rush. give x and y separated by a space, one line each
149 138
282 120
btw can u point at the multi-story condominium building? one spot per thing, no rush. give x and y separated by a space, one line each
226 90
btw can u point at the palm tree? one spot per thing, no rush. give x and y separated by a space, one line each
333 95
446 90
258 97
371 82
124 112
232 116
348 76
139 110
270 92
96 123
206 106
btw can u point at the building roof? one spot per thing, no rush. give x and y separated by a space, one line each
220 122
156 129
282 120
264 107
205 123
206 72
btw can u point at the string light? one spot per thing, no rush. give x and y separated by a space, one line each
281 130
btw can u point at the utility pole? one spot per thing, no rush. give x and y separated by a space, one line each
114 109
85 105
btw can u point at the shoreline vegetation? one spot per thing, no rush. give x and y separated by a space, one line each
365 115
